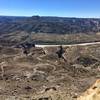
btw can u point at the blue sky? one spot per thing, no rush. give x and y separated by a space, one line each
64 8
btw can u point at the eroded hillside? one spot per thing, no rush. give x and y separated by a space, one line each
42 76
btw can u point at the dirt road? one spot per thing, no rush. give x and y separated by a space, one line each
93 43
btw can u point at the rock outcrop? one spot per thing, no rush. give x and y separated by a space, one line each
93 93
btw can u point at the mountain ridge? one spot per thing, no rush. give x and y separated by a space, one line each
58 25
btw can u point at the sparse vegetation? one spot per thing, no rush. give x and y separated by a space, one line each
41 76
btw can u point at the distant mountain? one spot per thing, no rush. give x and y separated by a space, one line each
58 25
48 30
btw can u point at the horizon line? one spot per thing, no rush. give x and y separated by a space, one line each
49 16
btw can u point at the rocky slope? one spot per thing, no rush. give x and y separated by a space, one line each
42 76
